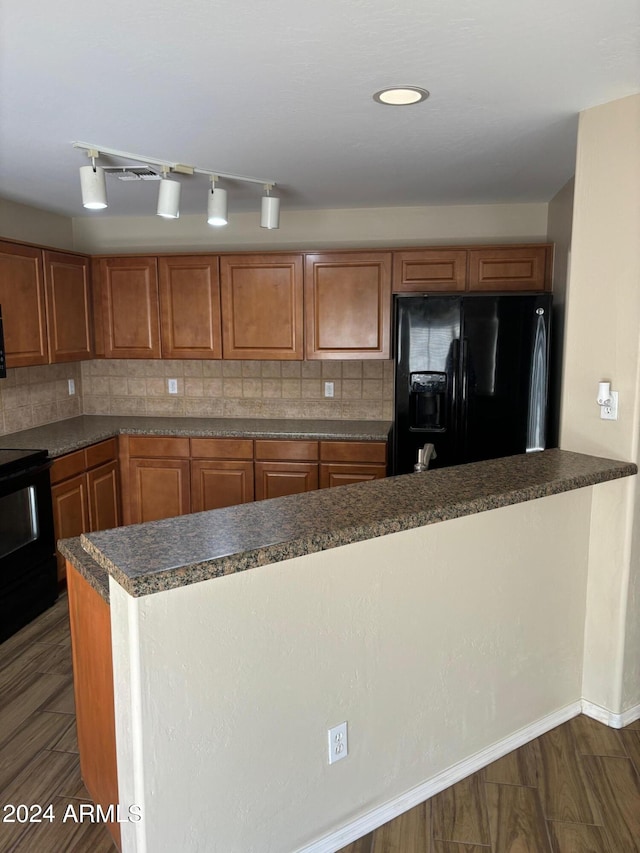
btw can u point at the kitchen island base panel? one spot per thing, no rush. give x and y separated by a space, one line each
444 641
90 619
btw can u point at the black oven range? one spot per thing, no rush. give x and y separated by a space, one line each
28 580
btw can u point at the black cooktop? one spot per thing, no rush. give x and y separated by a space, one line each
14 461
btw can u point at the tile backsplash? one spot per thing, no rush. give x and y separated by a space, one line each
31 396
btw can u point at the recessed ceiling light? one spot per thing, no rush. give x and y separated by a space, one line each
401 96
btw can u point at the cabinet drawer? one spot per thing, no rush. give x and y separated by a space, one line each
163 446
297 451
344 473
67 466
222 448
353 451
99 454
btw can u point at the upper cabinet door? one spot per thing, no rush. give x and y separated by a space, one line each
261 306
68 306
429 270
510 269
23 305
348 305
190 307
130 307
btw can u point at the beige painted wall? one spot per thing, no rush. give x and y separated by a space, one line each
433 644
603 342
31 225
300 229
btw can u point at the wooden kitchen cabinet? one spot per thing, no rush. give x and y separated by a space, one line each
344 462
22 300
221 472
262 313
347 305
68 295
429 270
189 290
284 467
85 492
130 307
515 268
157 483
477 269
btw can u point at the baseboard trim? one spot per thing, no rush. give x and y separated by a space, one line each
603 715
390 810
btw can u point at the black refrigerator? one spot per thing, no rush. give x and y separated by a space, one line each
471 377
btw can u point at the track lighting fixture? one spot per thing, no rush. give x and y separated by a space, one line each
270 209
168 197
94 194
217 208
92 184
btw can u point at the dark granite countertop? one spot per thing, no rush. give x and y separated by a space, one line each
73 434
163 555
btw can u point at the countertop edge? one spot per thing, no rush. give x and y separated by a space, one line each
67 436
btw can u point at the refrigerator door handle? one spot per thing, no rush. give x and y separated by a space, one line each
464 389
536 421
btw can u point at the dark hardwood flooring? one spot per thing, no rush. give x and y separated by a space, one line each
576 789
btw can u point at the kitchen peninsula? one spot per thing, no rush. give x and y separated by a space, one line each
441 615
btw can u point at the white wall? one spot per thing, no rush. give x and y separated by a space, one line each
31 225
306 229
434 644
603 342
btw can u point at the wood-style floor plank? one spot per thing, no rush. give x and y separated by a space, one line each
39 731
631 741
32 632
460 814
63 700
408 833
519 767
454 847
69 740
516 820
578 838
594 738
617 787
362 845
24 697
564 787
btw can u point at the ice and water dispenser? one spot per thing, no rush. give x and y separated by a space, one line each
428 401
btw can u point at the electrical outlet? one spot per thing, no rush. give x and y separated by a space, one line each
338 744
610 413
172 385
72 387
328 389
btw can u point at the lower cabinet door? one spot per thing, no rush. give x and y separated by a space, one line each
341 474
104 497
220 483
276 479
159 488
70 512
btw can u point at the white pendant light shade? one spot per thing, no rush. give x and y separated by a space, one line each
270 212
169 199
93 186
217 210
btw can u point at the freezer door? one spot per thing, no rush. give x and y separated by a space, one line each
427 342
504 365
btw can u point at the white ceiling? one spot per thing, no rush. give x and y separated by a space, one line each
283 90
